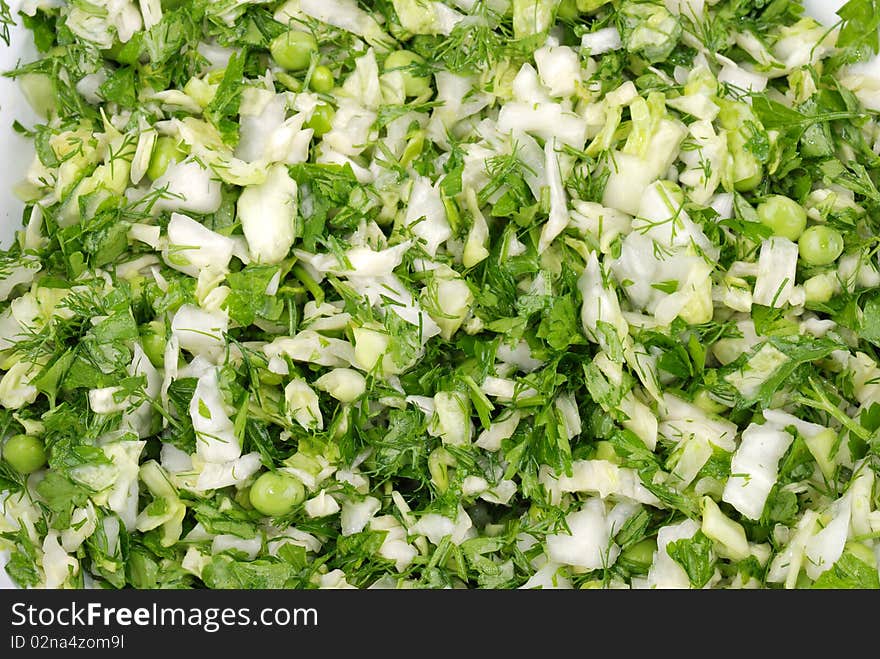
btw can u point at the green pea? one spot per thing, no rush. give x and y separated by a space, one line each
820 245
405 60
293 50
321 120
276 493
819 288
153 340
784 216
322 79
24 453
748 173
164 151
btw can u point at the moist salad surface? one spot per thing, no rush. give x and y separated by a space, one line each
484 294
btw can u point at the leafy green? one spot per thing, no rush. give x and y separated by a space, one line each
224 572
248 296
121 87
695 556
224 106
870 326
859 29
849 572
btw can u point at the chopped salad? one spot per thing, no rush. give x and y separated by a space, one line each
444 294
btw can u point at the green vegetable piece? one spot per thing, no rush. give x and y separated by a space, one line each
820 245
288 81
276 494
784 216
748 172
694 555
26 454
405 60
851 572
153 340
321 120
164 152
739 119
640 556
568 10
593 584
648 29
322 79
819 288
605 451
293 50
590 5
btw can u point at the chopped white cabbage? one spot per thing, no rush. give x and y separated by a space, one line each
665 573
216 440
193 248
187 186
268 216
605 478
426 215
777 267
589 545
754 468
200 332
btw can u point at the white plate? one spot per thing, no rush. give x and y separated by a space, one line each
16 152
